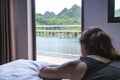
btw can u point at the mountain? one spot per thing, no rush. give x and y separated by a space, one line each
48 14
73 12
65 17
64 11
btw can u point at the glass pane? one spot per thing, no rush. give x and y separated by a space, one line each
58 28
117 8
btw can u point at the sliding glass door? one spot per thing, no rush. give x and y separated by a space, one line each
58 29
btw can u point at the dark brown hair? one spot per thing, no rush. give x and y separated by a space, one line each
97 42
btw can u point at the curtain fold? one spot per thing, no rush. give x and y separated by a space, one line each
5 34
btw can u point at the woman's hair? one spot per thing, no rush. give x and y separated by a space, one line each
97 42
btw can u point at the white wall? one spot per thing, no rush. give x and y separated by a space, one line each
96 14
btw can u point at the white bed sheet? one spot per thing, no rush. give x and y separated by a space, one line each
21 70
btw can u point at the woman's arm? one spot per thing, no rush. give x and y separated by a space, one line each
71 70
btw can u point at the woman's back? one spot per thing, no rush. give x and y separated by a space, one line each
98 52
97 70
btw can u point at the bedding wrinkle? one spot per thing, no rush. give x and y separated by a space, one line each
21 69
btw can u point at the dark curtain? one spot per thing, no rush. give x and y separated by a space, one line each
5 49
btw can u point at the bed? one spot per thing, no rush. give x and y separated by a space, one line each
21 70
27 69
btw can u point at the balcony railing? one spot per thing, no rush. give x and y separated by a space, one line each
69 31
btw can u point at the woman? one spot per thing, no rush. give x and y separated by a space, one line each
97 52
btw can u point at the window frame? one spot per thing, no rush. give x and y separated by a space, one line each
111 9
34 29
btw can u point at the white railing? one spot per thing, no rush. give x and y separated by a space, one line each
58 30
58 25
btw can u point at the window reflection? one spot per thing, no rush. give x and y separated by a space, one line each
117 8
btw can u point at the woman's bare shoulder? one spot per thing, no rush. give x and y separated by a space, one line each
79 71
73 70
76 69
74 63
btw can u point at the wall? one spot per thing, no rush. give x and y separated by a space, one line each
95 14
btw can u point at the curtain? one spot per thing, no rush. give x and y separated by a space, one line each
5 41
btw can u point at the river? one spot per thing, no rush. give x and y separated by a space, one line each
61 46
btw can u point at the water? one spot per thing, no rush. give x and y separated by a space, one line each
69 46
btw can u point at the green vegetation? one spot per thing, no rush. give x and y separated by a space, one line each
117 13
70 16
65 17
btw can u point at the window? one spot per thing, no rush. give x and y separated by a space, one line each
113 11
58 28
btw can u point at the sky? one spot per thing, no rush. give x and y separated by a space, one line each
55 6
117 4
